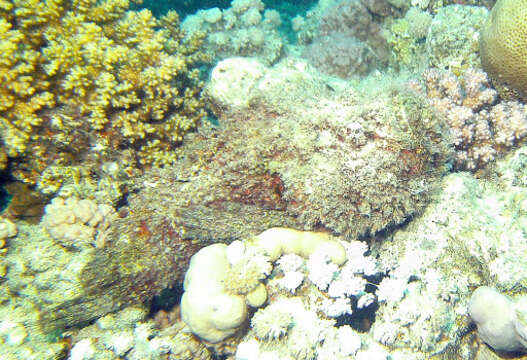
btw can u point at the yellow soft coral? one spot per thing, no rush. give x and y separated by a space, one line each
503 44
22 93
403 45
77 74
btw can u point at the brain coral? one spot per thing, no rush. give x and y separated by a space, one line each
503 44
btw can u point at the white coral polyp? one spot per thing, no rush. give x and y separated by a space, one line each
391 289
321 270
291 281
272 322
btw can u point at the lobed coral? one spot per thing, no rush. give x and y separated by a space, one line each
481 127
223 280
244 29
285 325
90 74
500 319
76 223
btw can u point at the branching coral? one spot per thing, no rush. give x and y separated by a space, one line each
87 72
481 129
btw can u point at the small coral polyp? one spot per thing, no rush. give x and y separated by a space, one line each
93 70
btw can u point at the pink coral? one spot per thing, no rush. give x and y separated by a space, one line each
480 126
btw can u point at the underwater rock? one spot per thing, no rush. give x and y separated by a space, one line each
306 154
83 262
470 237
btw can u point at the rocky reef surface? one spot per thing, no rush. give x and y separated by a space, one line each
353 187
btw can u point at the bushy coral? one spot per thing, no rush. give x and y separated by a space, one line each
504 44
481 128
301 326
470 237
244 29
132 335
272 322
80 74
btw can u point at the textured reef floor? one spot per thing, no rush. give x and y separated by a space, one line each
262 180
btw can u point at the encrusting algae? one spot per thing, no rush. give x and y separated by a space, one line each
92 74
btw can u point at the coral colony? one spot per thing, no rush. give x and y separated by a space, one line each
263 180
